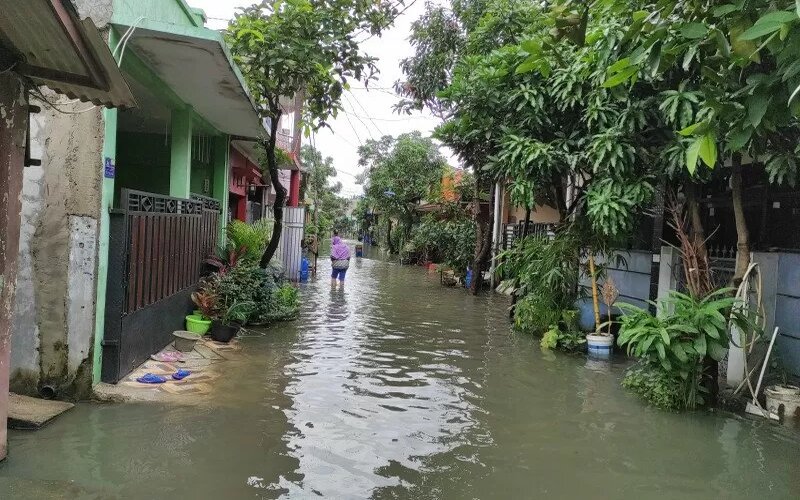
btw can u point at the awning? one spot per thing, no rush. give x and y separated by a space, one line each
195 63
46 42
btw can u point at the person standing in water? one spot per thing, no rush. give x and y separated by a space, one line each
340 260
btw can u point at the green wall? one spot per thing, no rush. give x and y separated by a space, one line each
168 11
142 163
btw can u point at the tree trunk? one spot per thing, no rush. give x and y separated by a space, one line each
742 233
389 237
483 239
280 192
697 232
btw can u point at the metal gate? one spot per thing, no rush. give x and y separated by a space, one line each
290 251
157 248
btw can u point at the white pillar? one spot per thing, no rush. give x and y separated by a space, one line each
498 193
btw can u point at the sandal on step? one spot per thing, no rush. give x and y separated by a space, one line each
149 378
181 374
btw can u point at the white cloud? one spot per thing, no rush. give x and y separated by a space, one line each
368 111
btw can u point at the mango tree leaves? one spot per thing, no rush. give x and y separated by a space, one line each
768 24
694 31
757 106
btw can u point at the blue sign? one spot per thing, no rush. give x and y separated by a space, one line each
109 169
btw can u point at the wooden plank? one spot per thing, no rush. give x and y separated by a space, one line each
132 263
159 256
140 265
147 272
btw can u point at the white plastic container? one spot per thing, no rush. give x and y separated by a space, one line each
786 396
600 345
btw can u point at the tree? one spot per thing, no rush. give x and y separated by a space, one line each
317 189
401 172
731 74
302 47
447 42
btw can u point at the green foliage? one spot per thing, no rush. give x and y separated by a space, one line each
400 173
252 238
677 343
327 207
308 48
260 295
546 274
450 241
564 340
660 389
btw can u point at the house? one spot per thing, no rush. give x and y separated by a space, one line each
68 54
250 194
126 204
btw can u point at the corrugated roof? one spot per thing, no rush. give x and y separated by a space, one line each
54 48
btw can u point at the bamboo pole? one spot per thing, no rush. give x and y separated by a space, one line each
595 297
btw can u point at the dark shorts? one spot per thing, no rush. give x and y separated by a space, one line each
338 273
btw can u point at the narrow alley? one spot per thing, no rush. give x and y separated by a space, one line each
396 387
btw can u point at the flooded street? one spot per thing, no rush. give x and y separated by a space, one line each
398 388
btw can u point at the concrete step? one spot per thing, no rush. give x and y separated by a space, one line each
31 413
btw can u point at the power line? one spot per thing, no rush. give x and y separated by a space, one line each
357 117
367 113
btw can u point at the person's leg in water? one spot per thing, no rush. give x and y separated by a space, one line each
334 275
342 273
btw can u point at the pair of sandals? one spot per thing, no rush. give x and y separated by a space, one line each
149 378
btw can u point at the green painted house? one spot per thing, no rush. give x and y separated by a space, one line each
126 203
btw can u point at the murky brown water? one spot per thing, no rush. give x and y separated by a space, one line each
398 388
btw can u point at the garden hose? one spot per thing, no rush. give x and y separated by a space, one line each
747 345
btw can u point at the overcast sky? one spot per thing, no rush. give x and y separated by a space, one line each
368 112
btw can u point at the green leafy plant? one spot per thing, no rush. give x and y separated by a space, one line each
660 389
206 301
676 343
567 341
545 273
251 239
237 313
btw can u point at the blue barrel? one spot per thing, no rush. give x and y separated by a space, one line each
305 266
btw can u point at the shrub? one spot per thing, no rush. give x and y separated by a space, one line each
545 274
568 340
657 387
252 238
450 242
674 345
266 291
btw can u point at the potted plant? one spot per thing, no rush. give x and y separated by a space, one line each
602 342
206 303
227 325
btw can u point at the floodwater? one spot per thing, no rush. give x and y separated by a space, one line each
398 388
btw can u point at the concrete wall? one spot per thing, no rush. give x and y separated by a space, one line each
54 311
631 275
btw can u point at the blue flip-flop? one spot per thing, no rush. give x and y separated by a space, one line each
181 374
149 378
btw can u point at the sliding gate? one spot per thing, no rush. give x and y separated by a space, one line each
157 248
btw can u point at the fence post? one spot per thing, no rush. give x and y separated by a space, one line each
668 272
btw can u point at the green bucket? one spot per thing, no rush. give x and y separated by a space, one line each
196 324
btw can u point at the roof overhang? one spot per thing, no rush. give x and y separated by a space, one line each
46 42
197 66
